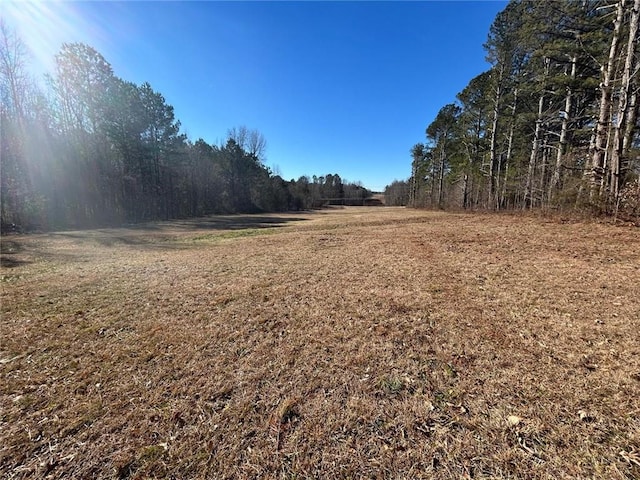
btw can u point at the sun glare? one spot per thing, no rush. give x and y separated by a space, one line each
45 26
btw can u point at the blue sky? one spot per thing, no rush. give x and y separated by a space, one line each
335 87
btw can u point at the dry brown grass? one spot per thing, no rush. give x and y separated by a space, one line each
354 343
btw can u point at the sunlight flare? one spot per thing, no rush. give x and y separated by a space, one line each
45 26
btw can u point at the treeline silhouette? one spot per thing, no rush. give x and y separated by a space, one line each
92 149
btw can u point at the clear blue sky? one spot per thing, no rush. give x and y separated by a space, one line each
335 87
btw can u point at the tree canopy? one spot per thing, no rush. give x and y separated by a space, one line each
93 149
552 123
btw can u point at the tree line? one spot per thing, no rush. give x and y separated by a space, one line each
91 149
554 121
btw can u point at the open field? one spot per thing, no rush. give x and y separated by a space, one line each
350 343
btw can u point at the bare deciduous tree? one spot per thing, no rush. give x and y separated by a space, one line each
251 141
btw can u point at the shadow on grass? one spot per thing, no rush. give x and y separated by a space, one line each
8 262
151 236
222 222
162 234
9 248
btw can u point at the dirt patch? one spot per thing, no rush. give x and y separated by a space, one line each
355 343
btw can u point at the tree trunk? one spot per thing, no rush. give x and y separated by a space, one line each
414 179
535 146
432 193
494 132
441 180
543 169
617 152
465 191
509 146
599 158
562 147
632 117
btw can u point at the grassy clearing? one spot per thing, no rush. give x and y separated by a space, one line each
353 343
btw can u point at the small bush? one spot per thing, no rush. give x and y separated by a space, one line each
629 202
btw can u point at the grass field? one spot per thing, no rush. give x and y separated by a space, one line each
348 343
